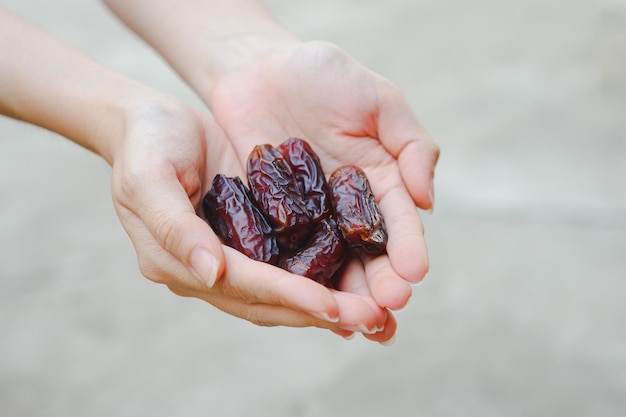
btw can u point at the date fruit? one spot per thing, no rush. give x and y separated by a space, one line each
229 209
307 170
356 211
276 193
291 216
321 257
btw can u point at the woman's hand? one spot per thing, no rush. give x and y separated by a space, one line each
350 116
164 156
162 168
264 86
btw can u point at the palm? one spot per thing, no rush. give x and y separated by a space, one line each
319 94
304 92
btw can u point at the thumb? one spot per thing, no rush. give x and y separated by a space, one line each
172 221
198 248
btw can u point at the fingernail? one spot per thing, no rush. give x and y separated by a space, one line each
408 301
204 266
401 309
416 284
390 341
365 330
325 316
350 336
431 195
360 328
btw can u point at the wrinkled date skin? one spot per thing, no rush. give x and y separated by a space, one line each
357 213
291 216
307 170
229 209
276 193
322 257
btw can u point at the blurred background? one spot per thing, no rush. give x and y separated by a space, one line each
522 313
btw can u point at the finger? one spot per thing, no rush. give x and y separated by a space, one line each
257 282
250 295
388 288
406 246
154 262
359 312
387 336
162 267
168 214
404 137
267 315
346 334
352 307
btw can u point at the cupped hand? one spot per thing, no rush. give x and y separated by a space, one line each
349 115
162 167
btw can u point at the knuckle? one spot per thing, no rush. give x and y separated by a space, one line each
149 269
128 179
233 291
257 317
168 232
435 150
179 290
327 54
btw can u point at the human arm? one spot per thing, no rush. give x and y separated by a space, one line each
163 155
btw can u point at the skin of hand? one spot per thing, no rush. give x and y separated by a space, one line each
350 116
163 157
263 86
161 170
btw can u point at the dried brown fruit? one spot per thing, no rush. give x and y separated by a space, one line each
229 209
276 193
322 257
291 216
356 211
307 170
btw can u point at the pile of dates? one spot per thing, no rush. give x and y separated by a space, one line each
291 216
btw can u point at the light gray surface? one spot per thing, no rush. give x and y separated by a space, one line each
521 315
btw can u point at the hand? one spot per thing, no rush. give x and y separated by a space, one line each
163 157
263 85
350 116
162 168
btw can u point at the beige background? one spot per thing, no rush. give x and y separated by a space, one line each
521 315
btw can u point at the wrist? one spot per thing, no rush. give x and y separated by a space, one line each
122 113
112 112
231 53
204 40
60 89
204 56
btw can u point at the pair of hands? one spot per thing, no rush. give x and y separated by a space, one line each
170 153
